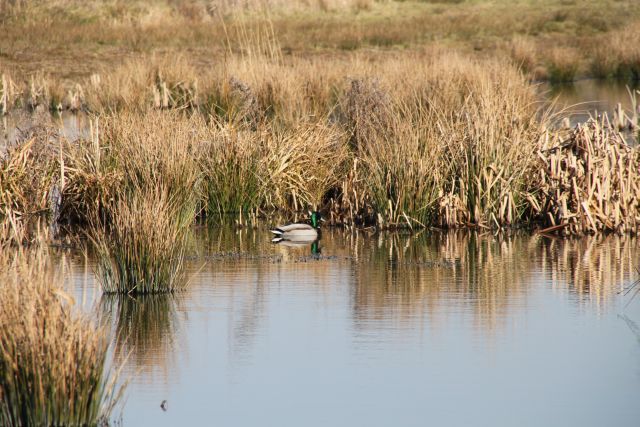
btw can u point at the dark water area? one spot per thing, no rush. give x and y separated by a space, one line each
449 329
587 98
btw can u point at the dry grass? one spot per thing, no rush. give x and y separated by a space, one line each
53 361
452 148
140 230
588 182
142 249
619 54
524 53
562 64
454 145
30 174
73 38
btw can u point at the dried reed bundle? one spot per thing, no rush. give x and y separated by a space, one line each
588 182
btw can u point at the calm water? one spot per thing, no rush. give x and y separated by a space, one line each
586 98
381 330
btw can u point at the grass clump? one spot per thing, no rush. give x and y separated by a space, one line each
273 167
562 64
53 361
491 128
140 232
233 178
453 147
142 249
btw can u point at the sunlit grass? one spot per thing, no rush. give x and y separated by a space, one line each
53 360
140 230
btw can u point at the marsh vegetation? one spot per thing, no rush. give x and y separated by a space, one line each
383 115
53 358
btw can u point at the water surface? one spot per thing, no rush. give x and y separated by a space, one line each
384 329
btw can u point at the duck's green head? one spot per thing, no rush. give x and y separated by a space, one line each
315 219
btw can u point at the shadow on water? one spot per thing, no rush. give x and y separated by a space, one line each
633 326
489 276
418 274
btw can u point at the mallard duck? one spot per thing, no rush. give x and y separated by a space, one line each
298 231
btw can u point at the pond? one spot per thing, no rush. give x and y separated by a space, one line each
383 329
582 99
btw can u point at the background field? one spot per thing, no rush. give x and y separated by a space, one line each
549 39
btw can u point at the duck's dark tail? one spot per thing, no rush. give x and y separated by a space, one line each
277 239
277 231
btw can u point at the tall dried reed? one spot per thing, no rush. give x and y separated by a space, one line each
271 167
140 232
53 360
454 147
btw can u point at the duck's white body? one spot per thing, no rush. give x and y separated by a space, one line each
295 232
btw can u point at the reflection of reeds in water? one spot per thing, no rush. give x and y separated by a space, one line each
410 276
594 268
406 279
145 329
417 276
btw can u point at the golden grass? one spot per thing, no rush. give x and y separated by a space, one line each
140 229
53 360
72 38
29 174
454 145
142 248
562 64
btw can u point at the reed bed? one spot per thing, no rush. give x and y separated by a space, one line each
53 360
30 178
271 168
455 145
453 149
588 182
